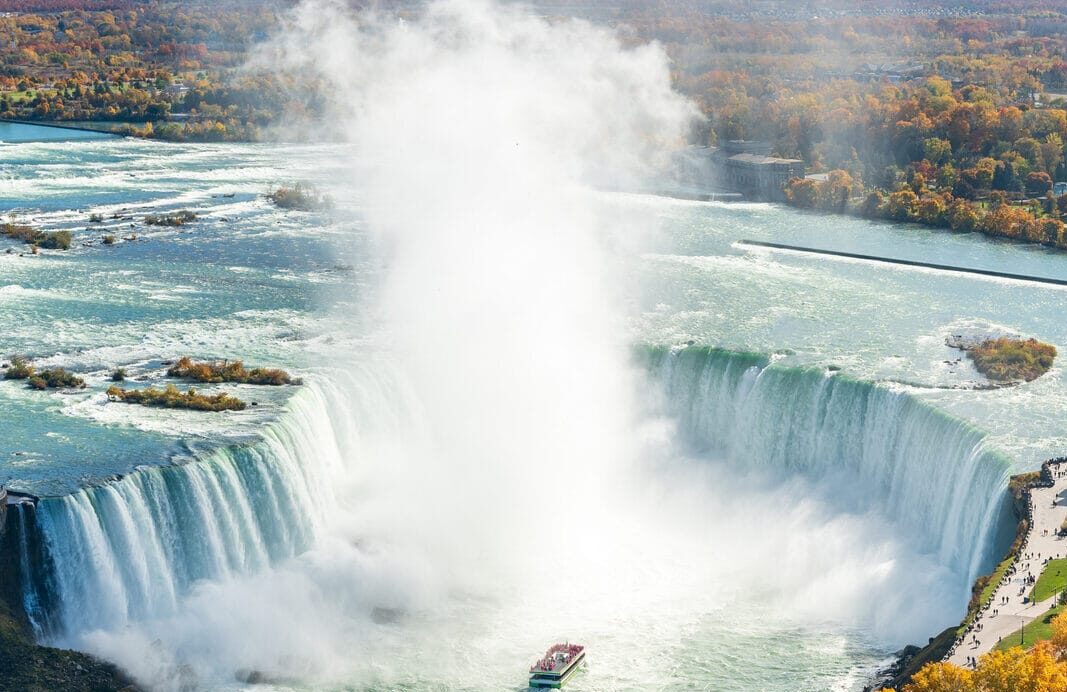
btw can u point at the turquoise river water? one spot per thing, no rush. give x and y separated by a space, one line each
832 481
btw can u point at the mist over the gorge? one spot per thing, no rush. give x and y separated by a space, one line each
499 474
380 346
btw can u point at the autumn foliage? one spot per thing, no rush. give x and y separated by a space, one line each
1008 360
1041 669
228 371
172 397
997 217
150 68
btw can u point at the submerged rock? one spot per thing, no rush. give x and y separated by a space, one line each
386 616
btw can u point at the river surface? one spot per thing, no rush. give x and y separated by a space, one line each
834 483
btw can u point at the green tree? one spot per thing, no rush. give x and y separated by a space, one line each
937 150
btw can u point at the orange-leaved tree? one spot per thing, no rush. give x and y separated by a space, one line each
1041 669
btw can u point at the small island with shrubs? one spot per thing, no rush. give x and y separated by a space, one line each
1007 360
18 369
172 397
56 378
300 197
48 240
228 371
176 218
53 378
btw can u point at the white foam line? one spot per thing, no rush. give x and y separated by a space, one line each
892 266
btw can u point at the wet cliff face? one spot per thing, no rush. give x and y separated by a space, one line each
18 533
10 591
24 664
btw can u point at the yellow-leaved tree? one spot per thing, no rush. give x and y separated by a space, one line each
1041 669
941 677
1059 635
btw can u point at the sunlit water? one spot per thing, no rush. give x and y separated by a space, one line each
791 527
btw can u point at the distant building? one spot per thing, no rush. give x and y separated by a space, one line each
892 72
1059 189
748 168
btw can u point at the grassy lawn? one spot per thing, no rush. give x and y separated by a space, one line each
1038 630
994 580
1051 581
987 591
27 95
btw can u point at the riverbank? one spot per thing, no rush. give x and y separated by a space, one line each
997 215
1000 603
28 667
1009 606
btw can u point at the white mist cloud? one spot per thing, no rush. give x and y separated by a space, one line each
494 508
478 131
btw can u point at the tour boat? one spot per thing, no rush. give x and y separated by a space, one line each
557 666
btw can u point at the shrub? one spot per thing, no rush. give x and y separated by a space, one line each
50 240
56 240
108 239
118 375
171 397
177 218
19 369
1007 360
300 197
229 371
56 378
802 192
26 234
96 218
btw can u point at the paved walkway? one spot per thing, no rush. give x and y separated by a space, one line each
1007 612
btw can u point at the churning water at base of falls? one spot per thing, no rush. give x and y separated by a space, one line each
183 574
788 528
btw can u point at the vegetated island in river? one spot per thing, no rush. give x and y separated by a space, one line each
177 218
172 397
1008 360
49 240
300 197
210 372
53 378
229 371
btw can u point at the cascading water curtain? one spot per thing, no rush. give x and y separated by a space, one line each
933 473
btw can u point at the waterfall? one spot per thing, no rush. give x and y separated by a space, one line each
934 474
132 548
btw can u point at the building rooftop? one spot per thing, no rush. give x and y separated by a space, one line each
759 159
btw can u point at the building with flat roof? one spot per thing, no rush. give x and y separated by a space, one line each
747 168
